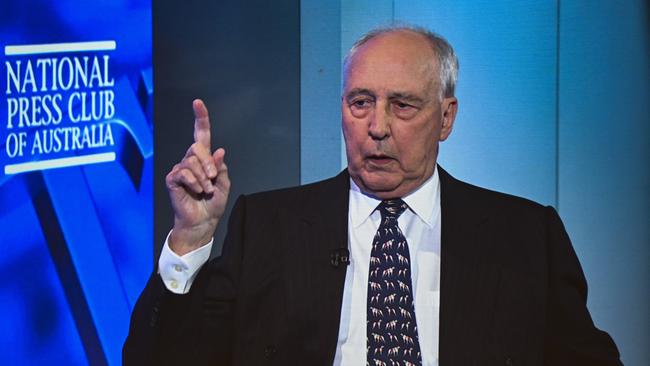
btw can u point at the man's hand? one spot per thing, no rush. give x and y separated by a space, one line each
198 188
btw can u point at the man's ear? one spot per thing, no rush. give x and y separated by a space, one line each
449 108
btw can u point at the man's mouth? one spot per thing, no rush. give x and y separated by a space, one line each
380 159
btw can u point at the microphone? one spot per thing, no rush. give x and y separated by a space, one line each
340 255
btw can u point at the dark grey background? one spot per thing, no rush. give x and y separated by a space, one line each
243 60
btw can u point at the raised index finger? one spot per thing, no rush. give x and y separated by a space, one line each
201 124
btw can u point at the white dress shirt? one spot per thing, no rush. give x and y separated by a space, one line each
420 224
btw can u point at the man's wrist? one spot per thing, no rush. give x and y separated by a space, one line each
182 241
178 272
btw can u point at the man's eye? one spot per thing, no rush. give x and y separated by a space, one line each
360 103
360 107
401 105
404 110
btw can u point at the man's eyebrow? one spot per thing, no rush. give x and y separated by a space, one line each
356 92
405 96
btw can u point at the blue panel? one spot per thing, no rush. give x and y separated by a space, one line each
327 32
38 326
358 17
320 70
505 133
74 234
604 186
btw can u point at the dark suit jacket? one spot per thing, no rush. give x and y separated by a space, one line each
512 290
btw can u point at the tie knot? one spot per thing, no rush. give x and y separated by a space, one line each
392 209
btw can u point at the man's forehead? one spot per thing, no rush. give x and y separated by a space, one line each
399 60
387 81
400 44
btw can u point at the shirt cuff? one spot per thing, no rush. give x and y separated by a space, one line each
178 272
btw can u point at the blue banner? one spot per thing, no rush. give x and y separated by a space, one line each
76 168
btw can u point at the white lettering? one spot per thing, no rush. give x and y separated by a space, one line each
13 76
15 144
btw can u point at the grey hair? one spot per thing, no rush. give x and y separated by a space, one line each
444 52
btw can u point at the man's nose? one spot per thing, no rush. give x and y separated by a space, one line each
379 124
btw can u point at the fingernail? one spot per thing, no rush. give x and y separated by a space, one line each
210 187
212 171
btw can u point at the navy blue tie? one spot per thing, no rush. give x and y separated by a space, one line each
391 327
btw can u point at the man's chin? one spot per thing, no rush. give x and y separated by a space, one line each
382 186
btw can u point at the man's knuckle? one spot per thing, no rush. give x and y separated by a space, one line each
187 176
192 160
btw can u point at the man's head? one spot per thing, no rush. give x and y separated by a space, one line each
398 103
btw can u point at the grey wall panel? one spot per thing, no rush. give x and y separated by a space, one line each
243 59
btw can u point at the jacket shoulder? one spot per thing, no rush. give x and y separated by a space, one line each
303 197
488 200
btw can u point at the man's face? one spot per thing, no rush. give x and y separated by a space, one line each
392 115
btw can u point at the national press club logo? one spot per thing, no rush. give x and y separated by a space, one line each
60 101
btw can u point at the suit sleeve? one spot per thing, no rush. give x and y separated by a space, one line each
196 328
571 337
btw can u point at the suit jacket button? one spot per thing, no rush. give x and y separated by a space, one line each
153 320
509 362
269 352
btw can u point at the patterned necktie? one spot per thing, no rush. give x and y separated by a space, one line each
391 327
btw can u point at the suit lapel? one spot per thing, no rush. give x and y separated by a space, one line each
469 278
315 290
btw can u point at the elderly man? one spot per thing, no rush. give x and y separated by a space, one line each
392 262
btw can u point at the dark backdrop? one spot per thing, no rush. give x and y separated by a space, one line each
243 60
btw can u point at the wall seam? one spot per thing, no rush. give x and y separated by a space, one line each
557 107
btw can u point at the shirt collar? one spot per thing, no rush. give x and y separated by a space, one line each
422 201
